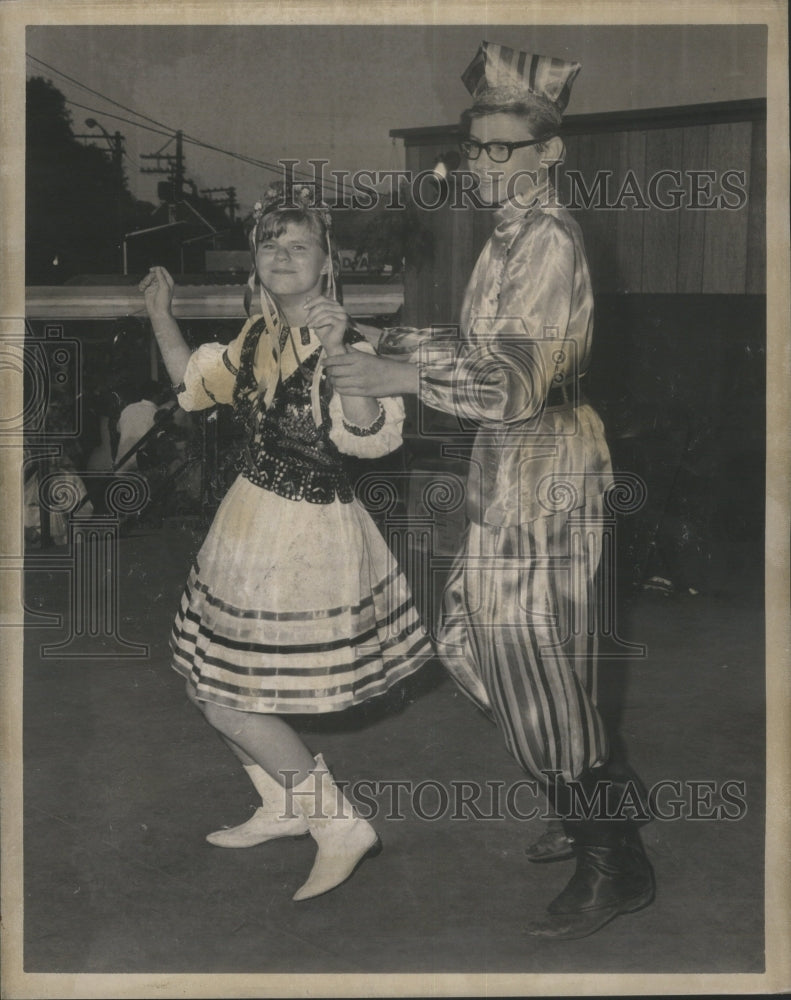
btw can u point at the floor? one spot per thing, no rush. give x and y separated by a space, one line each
123 779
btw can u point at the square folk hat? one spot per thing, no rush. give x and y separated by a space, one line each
501 75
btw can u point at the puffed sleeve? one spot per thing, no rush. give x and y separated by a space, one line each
211 374
383 436
504 373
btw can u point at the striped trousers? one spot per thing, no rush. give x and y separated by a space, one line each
519 635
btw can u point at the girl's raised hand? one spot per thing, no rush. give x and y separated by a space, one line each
157 288
329 319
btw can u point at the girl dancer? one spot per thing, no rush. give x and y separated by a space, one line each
295 603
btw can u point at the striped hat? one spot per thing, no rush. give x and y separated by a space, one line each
501 75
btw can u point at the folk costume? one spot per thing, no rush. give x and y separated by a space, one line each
518 630
294 604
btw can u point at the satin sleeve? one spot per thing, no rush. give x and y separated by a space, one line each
384 435
211 374
503 371
402 343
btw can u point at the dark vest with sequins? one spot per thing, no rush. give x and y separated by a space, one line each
285 451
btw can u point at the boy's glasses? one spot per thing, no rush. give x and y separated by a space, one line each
498 152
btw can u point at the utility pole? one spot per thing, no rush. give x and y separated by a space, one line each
229 202
178 167
173 167
118 152
114 142
116 146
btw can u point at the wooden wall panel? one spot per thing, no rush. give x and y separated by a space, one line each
579 160
431 284
412 278
630 220
725 240
412 282
630 249
461 257
574 160
599 223
663 151
442 279
431 279
692 224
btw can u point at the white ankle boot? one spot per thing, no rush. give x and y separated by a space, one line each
275 817
343 838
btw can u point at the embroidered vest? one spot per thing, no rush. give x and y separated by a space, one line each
285 451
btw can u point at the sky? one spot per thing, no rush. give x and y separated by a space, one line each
335 92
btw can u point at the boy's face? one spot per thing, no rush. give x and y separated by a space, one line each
523 171
293 263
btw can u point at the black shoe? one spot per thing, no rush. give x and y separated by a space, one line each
553 845
608 882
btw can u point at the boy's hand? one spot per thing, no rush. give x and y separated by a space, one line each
357 374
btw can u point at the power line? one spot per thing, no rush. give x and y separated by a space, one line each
120 118
263 164
195 142
171 135
134 163
98 93
167 129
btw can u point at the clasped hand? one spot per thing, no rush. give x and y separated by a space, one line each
359 374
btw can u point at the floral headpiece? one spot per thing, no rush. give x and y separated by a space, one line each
300 196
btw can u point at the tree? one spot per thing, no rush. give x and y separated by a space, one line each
390 237
396 237
77 203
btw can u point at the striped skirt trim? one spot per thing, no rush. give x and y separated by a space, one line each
224 653
313 701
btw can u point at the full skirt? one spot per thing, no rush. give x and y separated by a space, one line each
295 607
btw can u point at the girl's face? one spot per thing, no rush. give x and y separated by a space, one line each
292 265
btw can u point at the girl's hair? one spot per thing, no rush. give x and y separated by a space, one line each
541 117
275 222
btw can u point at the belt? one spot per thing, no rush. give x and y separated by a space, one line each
568 394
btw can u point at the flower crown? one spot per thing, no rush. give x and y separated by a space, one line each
300 196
